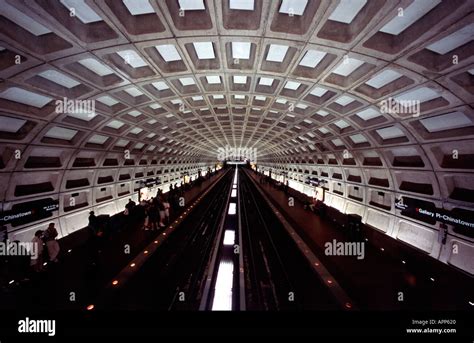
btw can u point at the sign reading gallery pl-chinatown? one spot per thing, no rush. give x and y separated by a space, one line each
29 213
418 208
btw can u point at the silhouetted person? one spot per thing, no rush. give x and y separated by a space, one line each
51 243
37 261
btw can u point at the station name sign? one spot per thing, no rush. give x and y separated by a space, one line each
410 206
27 214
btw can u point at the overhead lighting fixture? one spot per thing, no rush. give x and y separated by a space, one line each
277 53
131 57
168 52
191 5
292 85
260 98
98 139
218 96
416 10
133 91
265 81
344 100
187 81
318 91
390 132
239 97
81 11
453 41
135 113
384 78
213 79
347 10
25 97
204 50
239 79
241 50
312 58
59 78
242 5
96 67
107 100
160 85
347 66
138 7
61 133
115 124
22 20
293 7
341 124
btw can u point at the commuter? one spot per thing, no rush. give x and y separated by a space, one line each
166 205
161 208
37 261
51 243
92 221
153 215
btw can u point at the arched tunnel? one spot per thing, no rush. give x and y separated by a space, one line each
331 142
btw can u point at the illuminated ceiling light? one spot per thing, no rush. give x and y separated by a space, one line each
292 85
293 7
81 11
168 52
453 41
107 100
450 121
344 100
240 79
243 5
187 81
98 139
416 10
266 81
341 124
347 10
213 79
90 307
138 7
21 19
191 5
60 133
390 132
241 50
160 85
96 67
25 97
131 57
115 282
383 78
312 58
347 66
277 53
204 50
133 91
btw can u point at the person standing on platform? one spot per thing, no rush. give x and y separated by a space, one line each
37 263
51 243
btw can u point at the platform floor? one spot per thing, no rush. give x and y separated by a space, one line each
376 281
73 277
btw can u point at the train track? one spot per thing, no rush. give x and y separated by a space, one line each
278 276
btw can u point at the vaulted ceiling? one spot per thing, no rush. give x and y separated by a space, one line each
288 78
